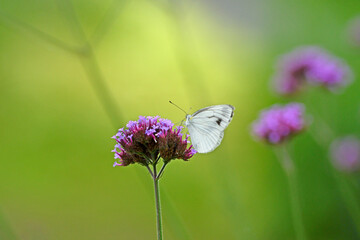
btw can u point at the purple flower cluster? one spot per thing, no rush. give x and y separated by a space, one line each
278 123
311 65
148 139
345 153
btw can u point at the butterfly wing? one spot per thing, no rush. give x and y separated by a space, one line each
206 126
204 139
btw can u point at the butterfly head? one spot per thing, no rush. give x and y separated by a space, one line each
188 118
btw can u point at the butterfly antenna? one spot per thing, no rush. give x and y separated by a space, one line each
178 107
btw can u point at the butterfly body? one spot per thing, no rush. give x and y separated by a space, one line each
206 126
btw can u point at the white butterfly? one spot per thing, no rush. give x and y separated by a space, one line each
206 126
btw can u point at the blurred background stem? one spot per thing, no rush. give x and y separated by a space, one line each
91 66
290 171
323 134
345 190
348 196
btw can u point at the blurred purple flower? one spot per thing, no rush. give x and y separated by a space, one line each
146 140
345 154
311 65
278 123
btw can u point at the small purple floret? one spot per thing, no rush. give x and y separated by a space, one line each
345 153
147 139
117 164
278 123
312 65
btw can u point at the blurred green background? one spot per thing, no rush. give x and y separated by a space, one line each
73 72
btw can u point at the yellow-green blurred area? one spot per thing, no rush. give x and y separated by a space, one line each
61 101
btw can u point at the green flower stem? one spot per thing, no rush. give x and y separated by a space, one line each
296 209
289 169
161 171
345 190
151 173
157 205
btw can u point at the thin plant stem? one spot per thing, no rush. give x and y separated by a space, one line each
91 66
295 206
107 21
101 90
349 198
288 166
25 27
151 173
157 205
86 56
323 132
161 171
345 190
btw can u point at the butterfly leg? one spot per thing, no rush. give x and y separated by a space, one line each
181 122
